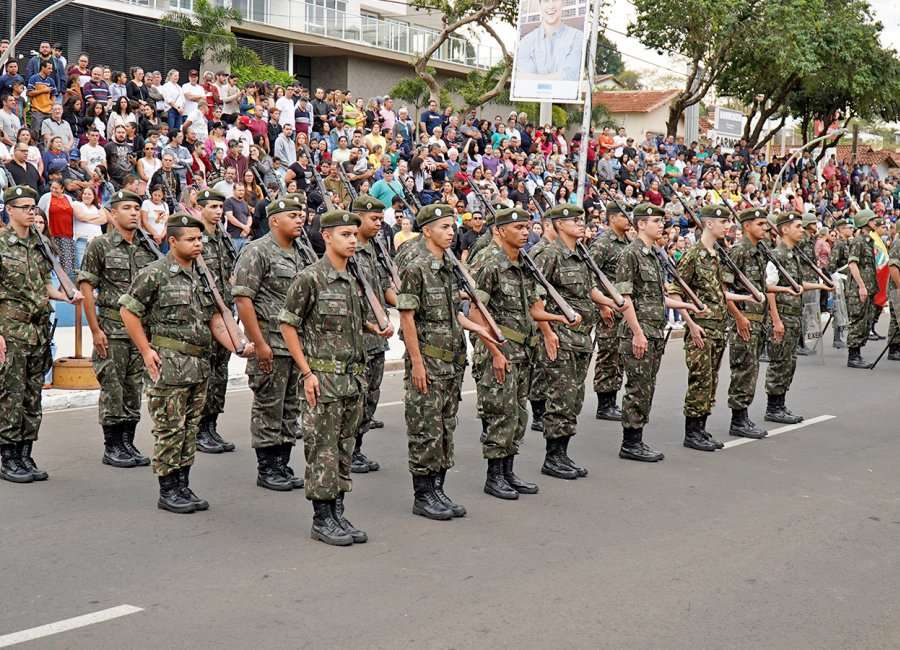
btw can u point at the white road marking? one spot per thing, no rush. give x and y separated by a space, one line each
68 624
777 432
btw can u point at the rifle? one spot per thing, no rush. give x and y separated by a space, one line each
796 287
229 245
346 181
380 315
608 287
320 184
803 258
305 248
231 326
723 254
467 285
887 347
144 239
487 203
570 314
65 282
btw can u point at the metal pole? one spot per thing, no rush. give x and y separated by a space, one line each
12 25
588 99
777 186
16 37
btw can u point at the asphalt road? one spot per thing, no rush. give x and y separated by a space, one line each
789 542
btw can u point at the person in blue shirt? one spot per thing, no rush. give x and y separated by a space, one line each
387 188
9 78
58 73
430 118
553 51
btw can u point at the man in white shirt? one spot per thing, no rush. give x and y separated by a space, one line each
92 154
9 121
619 140
225 187
196 122
286 105
241 132
194 94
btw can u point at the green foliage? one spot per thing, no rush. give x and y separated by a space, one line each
600 117
477 85
252 69
414 90
206 32
503 10
630 79
608 60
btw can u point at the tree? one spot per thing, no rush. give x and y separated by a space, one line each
416 92
630 79
252 69
478 88
207 33
600 117
609 60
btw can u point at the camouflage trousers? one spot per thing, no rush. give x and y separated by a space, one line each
374 377
175 412
21 380
783 358
329 433
537 390
218 380
640 381
431 423
503 408
743 357
893 330
121 377
608 366
275 413
703 373
565 392
862 316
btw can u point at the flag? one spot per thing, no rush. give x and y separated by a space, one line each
881 268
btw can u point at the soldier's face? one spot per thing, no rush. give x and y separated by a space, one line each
514 234
22 213
756 228
188 245
440 232
571 227
792 232
212 212
127 215
718 227
653 227
341 240
371 224
288 224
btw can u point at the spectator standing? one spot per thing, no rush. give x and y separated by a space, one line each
286 105
41 90
56 159
136 90
9 78
388 118
60 222
211 89
96 90
154 213
92 154
118 87
22 171
89 217
120 156
237 216
9 121
240 133
57 71
231 100
225 187
430 118
120 115
194 94
173 101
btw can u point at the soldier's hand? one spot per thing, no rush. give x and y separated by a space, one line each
863 294
101 344
792 292
607 315
551 345
576 322
152 363
311 390
500 366
264 358
420 378
639 345
249 351
778 331
76 297
697 335
2 350
743 328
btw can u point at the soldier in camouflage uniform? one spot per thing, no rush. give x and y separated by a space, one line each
606 251
262 276
322 321
484 239
894 298
861 288
168 302
432 323
219 254
837 260
537 393
110 264
371 213
503 372
748 334
808 247
640 279
25 291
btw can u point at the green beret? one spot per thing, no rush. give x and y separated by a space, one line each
843 221
124 196
19 192
860 219
367 203
511 215
564 211
182 220
613 208
751 213
433 212
489 219
209 195
809 219
788 217
714 212
335 218
300 196
644 210
290 203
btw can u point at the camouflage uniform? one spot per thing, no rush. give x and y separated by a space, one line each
862 314
325 307
893 330
537 392
606 251
175 309
218 259
744 355
480 244
376 346
782 356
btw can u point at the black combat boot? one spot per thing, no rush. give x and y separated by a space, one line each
553 464
114 452
426 503
564 456
284 454
838 343
438 480
743 426
706 434
606 407
11 468
894 353
777 412
28 463
358 536
213 431
496 484
538 407
359 462
184 486
483 436
693 436
128 431
376 424
325 528
516 483
855 360
269 475
633 447
205 442
170 496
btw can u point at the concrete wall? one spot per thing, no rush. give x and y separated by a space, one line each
331 72
636 124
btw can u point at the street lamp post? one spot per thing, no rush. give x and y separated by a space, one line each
14 37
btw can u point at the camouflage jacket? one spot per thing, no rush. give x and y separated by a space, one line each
839 256
480 244
640 275
894 256
701 270
429 290
175 309
788 306
409 250
862 251
326 308
808 248
508 291
110 265
380 282
606 250
574 281
752 263
218 258
24 276
264 273
539 248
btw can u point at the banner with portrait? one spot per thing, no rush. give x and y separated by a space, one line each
549 61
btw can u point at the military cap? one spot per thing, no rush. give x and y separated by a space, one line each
511 215
843 221
19 192
860 219
751 213
290 203
788 217
124 196
714 212
564 211
613 208
210 195
489 219
300 196
433 212
367 203
644 210
335 218
182 220
809 219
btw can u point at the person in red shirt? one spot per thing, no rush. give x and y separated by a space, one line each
606 142
654 196
212 93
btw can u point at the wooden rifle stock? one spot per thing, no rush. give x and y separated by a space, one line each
608 287
566 309
467 285
65 282
145 240
231 326
320 184
384 258
670 269
803 258
380 315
